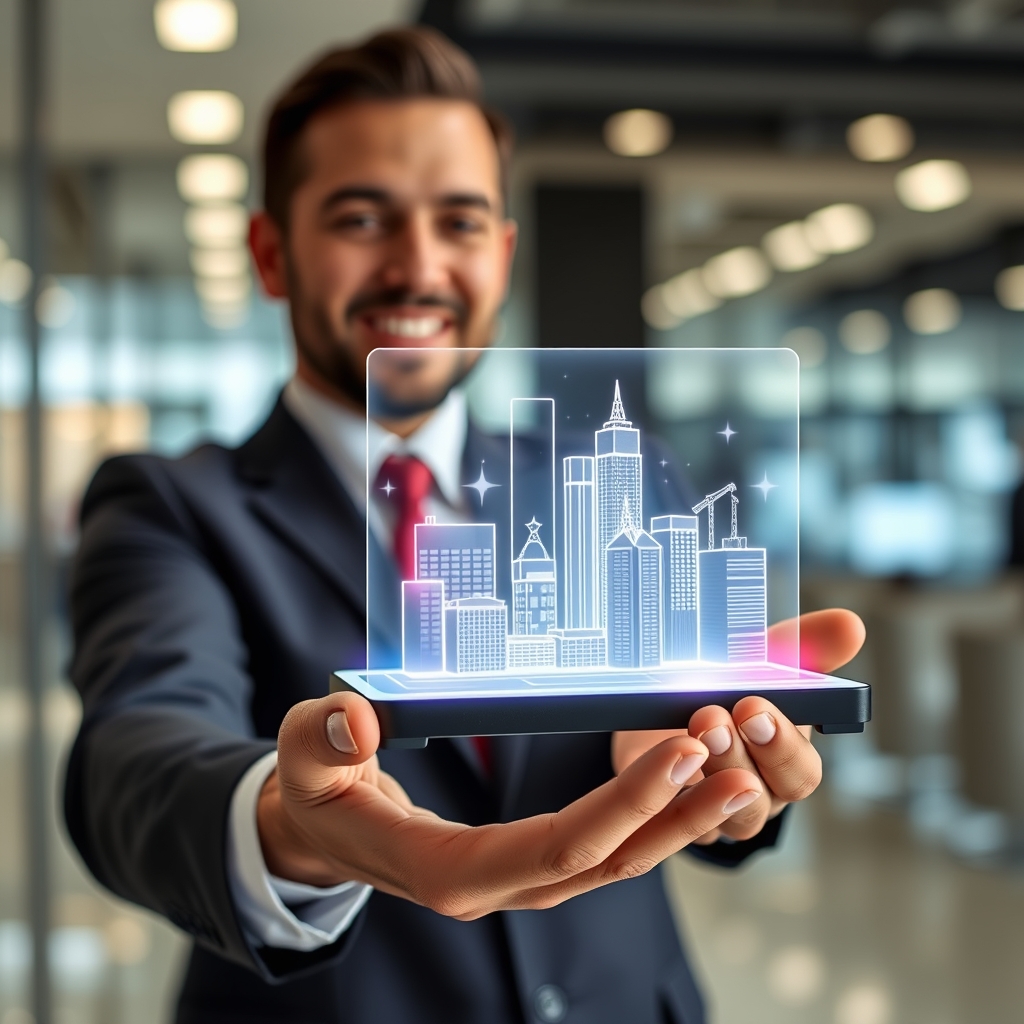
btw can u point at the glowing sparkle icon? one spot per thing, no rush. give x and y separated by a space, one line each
388 488
728 433
481 485
663 463
765 486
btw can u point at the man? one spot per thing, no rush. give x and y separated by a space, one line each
493 882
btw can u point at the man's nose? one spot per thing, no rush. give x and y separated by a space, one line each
417 260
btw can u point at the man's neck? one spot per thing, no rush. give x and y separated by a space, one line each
400 427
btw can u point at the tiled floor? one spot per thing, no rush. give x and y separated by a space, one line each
854 921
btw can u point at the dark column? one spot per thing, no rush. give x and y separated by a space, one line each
590 249
37 793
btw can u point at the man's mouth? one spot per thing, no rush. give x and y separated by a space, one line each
404 328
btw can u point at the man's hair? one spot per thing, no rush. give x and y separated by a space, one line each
403 63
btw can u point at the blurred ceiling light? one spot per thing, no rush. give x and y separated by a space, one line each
202 26
219 262
736 272
225 317
223 291
841 227
685 295
933 185
205 117
637 132
655 312
865 332
217 226
788 248
55 306
212 177
932 311
15 281
808 343
879 138
1010 288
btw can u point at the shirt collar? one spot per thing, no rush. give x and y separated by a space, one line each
351 444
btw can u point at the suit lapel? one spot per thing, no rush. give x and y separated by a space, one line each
298 496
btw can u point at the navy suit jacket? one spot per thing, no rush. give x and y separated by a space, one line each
210 594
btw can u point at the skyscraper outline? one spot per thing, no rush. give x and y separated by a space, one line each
618 471
579 542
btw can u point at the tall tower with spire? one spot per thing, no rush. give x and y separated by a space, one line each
619 477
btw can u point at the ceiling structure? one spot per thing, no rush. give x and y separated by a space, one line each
111 79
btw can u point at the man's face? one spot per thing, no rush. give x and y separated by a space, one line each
397 239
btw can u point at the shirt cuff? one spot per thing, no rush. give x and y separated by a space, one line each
275 911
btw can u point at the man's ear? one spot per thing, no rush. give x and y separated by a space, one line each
266 243
511 230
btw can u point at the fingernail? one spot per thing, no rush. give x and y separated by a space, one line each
737 803
685 767
760 729
717 740
339 735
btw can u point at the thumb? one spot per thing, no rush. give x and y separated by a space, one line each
323 745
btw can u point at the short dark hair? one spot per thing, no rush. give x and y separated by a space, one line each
402 63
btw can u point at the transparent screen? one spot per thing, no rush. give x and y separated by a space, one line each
592 514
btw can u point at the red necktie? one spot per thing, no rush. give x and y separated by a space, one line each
406 481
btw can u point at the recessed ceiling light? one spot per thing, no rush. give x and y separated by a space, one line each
655 313
808 343
1010 288
686 295
736 272
637 132
933 185
205 117
223 291
841 227
865 331
202 26
212 177
219 262
879 138
15 281
55 306
217 226
932 311
788 248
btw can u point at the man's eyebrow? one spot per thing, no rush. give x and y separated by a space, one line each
477 199
372 194
367 192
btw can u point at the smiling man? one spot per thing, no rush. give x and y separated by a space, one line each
503 880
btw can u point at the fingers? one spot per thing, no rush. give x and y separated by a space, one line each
827 640
695 812
628 746
715 728
785 757
318 737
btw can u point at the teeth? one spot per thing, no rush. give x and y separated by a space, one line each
410 327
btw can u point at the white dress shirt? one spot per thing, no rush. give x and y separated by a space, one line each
275 911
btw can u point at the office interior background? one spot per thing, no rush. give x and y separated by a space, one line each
843 177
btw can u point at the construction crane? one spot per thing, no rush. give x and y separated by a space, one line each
709 504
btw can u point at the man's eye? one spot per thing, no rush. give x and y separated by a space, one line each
465 225
358 221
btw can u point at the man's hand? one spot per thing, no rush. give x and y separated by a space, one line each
756 737
329 814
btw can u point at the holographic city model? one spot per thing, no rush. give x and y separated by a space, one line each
632 598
